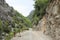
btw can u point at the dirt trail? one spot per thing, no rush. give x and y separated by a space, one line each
31 35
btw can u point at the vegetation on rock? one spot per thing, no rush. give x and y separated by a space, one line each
11 21
40 7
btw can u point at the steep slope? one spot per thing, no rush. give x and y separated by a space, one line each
53 17
31 15
11 21
50 22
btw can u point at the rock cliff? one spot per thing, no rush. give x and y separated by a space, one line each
50 23
5 10
11 21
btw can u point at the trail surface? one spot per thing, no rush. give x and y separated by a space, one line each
31 35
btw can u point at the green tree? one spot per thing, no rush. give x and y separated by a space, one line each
40 10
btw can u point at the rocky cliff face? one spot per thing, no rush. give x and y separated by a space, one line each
6 20
6 12
10 21
50 23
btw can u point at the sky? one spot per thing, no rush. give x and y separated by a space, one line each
22 6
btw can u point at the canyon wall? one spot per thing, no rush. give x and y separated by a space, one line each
50 23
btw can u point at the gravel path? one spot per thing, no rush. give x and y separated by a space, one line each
31 35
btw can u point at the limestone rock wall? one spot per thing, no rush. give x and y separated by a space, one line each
50 23
6 17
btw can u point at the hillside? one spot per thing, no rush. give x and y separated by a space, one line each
49 22
31 15
11 21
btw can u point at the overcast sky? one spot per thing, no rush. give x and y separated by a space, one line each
22 6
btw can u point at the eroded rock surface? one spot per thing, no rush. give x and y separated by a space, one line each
50 23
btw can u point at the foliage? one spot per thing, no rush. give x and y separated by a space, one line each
17 24
40 7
